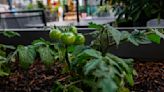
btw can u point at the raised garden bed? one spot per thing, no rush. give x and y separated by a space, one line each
37 78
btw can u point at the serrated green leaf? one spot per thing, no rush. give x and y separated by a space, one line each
46 55
61 53
115 64
2 53
103 66
79 49
11 34
7 46
138 37
154 38
158 33
129 78
2 73
124 35
107 85
99 73
133 41
26 56
94 25
2 59
121 62
91 65
116 34
71 48
92 53
40 42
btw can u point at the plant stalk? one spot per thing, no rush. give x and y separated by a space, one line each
66 57
73 83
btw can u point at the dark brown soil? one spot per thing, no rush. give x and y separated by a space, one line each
150 77
38 79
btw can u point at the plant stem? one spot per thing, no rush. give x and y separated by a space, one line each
66 57
101 39
64 78
107 39
104 45
72 83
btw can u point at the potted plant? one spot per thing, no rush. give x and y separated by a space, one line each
138 12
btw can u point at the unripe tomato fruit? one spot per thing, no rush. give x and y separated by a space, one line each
68 38
80 39
55 34
73 29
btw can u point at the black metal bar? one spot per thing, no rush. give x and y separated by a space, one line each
77 10
10 4
24 11
44 18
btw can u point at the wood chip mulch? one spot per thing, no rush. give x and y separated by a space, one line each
150 76
36 79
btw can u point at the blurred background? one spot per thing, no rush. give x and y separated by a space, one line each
122 13
56 8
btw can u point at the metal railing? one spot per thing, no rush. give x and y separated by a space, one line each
18 19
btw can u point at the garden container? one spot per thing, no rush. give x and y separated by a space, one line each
147 52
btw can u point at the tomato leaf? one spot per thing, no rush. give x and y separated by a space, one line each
94 25
154 38
158 33
26 56
91 65
108 85
115 33
129 78
11 34
92 53
46 55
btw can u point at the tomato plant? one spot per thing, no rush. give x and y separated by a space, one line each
5 57
73 29
55 34
80 39
89 68
68 38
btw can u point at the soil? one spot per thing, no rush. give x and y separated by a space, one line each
150 76
37 78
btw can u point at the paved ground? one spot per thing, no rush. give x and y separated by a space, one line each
84 22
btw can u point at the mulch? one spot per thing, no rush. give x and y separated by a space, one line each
150 76
38 78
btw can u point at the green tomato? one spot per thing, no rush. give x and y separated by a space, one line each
55 34
73 29
80 39
68 38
